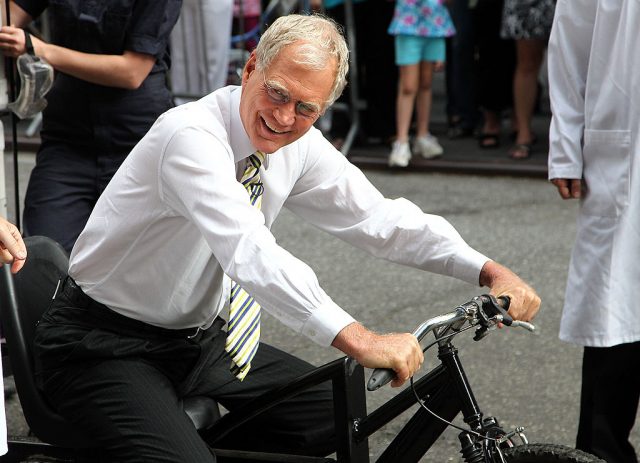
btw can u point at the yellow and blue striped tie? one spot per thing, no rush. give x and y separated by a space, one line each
243 331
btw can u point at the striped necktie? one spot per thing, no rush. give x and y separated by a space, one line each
243 331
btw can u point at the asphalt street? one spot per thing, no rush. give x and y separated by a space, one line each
524 379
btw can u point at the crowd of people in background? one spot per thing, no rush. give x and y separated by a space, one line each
494 53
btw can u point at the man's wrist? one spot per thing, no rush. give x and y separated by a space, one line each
351 339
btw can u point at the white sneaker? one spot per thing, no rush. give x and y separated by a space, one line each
427 146
400 154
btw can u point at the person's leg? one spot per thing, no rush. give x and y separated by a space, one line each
496 64
116 381
489 137
132 411
530 53
407 91
609 402
408 62
423 101
61 193
301 425
461 89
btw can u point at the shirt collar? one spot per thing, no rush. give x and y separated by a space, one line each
239 140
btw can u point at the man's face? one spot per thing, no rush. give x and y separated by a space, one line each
280 103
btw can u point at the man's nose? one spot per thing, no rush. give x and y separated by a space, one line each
285 113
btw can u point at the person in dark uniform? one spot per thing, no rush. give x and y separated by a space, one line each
111 59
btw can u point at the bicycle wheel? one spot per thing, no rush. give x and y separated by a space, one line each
547 453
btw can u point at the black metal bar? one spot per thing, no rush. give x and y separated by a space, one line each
448 354
354 97
269 399
241 456
350 407
427 385
423 429
16 176
10 71
21 448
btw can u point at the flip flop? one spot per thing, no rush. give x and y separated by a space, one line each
521 151
488 140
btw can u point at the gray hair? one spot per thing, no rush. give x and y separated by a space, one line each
322 39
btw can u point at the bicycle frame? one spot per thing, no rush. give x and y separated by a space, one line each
445 390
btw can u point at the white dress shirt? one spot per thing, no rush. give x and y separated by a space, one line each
175 221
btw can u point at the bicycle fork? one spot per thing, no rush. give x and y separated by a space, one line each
481 443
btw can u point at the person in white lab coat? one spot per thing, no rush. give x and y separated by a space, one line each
594 79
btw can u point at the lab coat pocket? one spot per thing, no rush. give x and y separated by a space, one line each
607 164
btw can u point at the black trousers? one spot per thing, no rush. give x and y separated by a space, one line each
609 401
123 381
63 188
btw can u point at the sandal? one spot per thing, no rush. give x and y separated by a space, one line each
488 140
521 151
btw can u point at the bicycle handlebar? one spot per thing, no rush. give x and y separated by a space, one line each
483 310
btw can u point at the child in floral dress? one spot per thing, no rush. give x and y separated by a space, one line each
420 28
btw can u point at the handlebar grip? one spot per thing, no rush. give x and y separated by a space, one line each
379 378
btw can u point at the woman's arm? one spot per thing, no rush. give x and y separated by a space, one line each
128 70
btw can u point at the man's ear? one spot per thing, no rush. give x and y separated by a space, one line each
249 67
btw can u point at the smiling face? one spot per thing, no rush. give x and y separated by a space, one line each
278 103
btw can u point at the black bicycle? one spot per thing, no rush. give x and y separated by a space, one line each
441 394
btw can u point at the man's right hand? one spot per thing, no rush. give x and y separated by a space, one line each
400 352
569 188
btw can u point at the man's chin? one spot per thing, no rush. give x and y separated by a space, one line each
271 146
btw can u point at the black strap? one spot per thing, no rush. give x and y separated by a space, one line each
29 45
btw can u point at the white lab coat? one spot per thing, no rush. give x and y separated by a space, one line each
594 82
200 47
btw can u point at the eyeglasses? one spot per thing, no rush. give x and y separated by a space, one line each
279 95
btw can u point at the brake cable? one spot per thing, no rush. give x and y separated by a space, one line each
435 415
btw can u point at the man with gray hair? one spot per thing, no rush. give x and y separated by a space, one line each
182 236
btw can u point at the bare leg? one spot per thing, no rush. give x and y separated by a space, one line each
407 91
423 102
525 86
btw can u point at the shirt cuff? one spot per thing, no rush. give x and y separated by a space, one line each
325 323
467 266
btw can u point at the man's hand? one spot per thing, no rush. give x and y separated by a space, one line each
569 188
503 282
400 352
12 248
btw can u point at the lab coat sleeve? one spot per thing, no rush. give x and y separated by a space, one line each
568 63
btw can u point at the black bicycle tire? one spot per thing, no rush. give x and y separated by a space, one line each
548 453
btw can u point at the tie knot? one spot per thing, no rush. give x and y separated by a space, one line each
257 159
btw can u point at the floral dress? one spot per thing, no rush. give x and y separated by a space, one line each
527 19
421 18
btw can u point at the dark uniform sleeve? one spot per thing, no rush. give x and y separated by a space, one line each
151 25
33 7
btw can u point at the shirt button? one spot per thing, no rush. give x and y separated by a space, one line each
312 333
